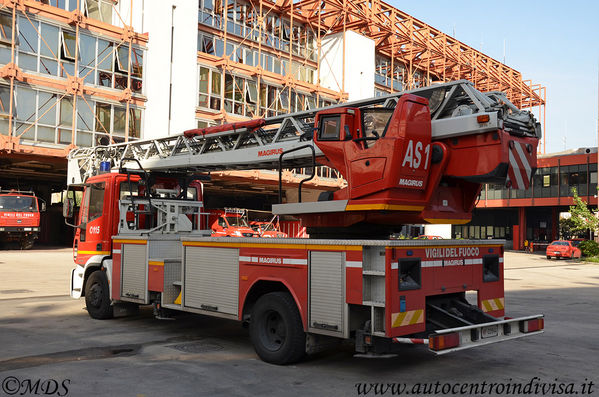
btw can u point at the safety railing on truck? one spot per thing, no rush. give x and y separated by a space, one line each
139 215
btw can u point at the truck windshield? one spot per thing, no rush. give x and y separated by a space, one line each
18 203
236 221
374 121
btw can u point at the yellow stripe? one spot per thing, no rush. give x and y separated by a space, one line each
390 207
417 317
490 305
141 242
93 252
156 263
499 303
487 306
398 319
280 246
407 318
447 221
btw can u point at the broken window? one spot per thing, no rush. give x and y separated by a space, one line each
68 43
66 112
284 99
49 49
119 121
122 59
46 108
85 114
102 117
4 109
207 45
134 123
252 92
98 9
5 28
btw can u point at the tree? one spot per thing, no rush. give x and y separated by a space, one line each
565 228
583 219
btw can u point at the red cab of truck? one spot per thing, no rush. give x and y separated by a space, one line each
20 217
230 222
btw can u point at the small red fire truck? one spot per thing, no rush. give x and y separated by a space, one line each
20 217
413 157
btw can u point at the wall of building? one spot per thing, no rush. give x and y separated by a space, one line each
352 71
171 66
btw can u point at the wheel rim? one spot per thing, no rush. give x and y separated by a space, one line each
273 331
95 295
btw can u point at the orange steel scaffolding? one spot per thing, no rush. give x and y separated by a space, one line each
72 86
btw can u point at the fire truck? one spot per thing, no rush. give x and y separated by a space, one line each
20 217
231 222
418 156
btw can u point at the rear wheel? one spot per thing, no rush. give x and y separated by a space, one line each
97 296
276 329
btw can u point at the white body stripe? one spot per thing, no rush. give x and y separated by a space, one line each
289 261
432 263
357 264
285 261
116 251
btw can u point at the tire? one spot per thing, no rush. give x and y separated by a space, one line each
548 257
276 329
26 243
97 296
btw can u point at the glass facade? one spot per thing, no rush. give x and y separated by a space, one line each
47 52
275 45
551 182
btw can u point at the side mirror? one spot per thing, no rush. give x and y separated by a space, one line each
43 206
68 208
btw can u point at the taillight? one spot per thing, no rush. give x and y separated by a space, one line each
444 341
536 324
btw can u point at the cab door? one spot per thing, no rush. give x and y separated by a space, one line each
93 236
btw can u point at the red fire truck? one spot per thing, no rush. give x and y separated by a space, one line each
20 217
413 157
231 222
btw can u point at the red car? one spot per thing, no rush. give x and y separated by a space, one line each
563 249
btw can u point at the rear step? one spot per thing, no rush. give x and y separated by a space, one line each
453 324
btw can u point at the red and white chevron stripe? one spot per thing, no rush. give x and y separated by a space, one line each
411 341
519 171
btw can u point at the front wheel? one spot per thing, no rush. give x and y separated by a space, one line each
26 243
548 257
97 296
276 329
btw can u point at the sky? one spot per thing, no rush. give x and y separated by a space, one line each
552 43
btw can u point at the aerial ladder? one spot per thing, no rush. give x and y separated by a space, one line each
419 156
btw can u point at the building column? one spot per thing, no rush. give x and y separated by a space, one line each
522 224
554 224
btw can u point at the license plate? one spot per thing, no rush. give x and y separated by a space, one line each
556 252
489 332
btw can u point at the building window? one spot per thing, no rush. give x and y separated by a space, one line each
98 9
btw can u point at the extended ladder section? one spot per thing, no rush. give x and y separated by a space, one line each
456 108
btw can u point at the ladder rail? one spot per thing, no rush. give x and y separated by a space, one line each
248 145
